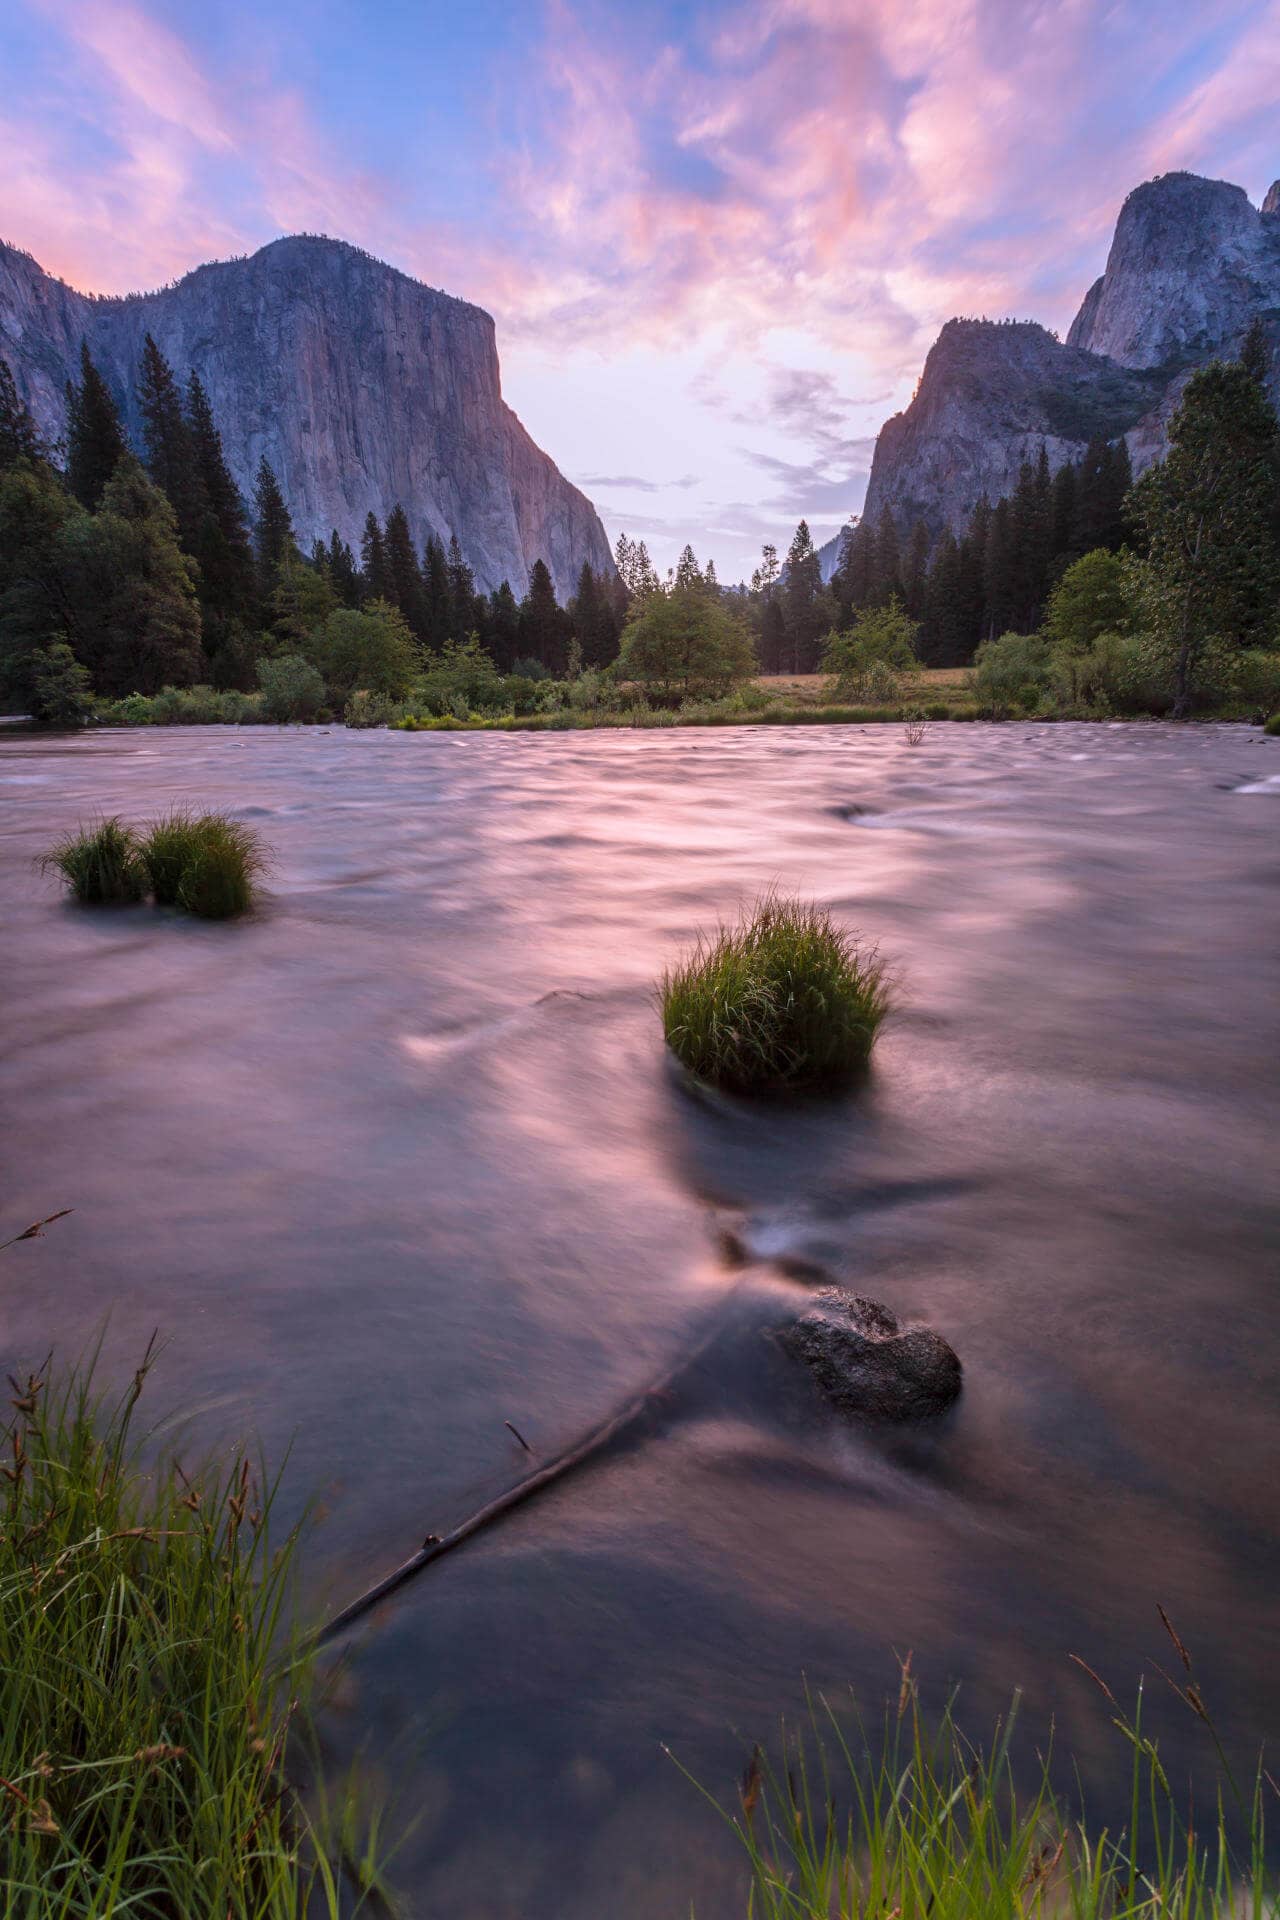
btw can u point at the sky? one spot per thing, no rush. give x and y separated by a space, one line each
717 240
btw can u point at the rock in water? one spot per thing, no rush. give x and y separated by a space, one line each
362 388
869 1366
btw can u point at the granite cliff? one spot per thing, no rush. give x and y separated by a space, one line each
1192 264
361 386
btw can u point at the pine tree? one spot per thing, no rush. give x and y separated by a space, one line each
595 620
273 541
19 436
438 608
170 454
95 437
854 577
373 561
773 636
688 572
997 573
404 575
141 624
886 576
943 640
1064 517
462 593
915 571
221 541
502 627
343 571
802 600
544 626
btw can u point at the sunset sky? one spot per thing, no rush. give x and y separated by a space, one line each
717 240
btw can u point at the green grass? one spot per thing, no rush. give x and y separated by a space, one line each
937 1828
100 864
203 863
786 999
143 1737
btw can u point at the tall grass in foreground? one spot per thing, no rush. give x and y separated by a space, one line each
100 864
785 999
204 863
938 1828
142 1735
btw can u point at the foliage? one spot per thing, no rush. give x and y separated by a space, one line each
1094 596
144 1726
1272 725
1011 674
461 672
867 661
95 437
366 709
292 690
61 692
100 864
372 650
218 861
785 999
1208 513
198 706
683 644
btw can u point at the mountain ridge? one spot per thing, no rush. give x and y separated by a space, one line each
363 387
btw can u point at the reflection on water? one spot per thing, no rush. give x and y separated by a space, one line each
401 1160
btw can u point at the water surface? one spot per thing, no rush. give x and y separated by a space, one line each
400 1159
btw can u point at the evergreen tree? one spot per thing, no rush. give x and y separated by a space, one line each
886 576
344 574
19 436
688 572
95 438
502 627
773 636
915 571
437 603
944 639
135 622
171 458
1208 514
373 561
595 620
804 610
853 581
1064 517
998 573
221 541
273 540
544 626
462 593
404 575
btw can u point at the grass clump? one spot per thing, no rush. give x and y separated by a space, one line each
786 999
936 1826
101 864
204 863
143 1728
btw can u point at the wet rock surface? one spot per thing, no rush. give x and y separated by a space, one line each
868 1364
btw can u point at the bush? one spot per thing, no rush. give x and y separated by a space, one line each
1258 679
372 710
1273 725
867 663
61 691
292 690
684 645
783 1000
462 675
1094 596
1011 673
101 865
937 710
372 649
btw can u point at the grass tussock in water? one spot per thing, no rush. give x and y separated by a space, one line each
204 863
100 864
142 1735
937 1827
785 999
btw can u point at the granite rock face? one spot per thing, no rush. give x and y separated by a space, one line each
1192 264
361 386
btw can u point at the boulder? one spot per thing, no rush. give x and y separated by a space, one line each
870 1366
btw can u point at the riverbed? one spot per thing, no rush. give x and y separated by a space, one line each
400 1159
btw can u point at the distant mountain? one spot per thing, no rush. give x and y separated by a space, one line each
362 387
1193 262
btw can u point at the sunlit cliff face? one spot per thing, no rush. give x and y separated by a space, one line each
716 248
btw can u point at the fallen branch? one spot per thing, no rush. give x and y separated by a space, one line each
583 1451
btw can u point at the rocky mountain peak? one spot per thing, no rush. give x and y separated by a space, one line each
1272 202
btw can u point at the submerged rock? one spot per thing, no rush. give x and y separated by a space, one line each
868 1365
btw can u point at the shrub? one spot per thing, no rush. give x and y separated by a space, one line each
937 710
461 674
292 690
1258 679
1011 673
785 999
1273 725
371 710
370 648
222 860
684 645
867 662
101 864
1094 596
61 691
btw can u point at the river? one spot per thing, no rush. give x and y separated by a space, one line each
400 1159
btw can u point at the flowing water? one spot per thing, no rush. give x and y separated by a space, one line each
401 1159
